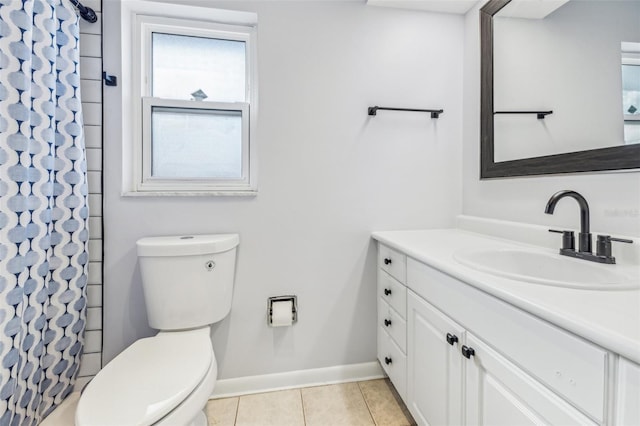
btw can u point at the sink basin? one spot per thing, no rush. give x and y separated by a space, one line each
547 268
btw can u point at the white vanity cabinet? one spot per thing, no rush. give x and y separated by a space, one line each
482 348
628 392
392 314
494 391
521 369
459 356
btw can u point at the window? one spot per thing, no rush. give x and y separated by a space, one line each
191 128
631 91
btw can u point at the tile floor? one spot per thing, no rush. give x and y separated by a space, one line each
373 402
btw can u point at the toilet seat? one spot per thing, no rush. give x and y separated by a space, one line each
147 380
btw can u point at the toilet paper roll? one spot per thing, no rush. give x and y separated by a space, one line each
281 313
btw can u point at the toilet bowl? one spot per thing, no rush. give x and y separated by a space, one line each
167 379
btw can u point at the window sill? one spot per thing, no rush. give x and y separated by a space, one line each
251 193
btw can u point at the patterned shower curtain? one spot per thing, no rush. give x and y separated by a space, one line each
43 208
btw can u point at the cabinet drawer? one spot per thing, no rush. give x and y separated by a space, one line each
396 368
393 324
571 366
393 262
392 292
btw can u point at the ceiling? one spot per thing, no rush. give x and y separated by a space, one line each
459 7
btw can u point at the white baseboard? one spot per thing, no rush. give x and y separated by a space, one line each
296 379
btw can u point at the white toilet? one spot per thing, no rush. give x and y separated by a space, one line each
166 380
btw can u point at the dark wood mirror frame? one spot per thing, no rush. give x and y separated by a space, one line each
612 158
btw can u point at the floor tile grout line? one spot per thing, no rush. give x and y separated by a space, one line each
304 416
361 388
235 419
367 404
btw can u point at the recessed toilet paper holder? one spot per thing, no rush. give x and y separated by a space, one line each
294 307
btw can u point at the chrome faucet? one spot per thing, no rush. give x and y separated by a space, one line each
603 252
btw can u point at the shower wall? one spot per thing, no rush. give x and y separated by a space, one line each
91 87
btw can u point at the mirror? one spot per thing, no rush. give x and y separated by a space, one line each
560 87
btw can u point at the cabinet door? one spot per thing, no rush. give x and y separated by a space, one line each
434 376
628 406
499 393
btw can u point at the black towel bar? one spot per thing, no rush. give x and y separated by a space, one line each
540 114
435 113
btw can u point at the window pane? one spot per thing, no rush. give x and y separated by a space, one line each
183 65
631 89
196 143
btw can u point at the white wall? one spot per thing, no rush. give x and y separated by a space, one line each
329 175
614 198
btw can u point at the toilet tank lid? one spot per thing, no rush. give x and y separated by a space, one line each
186 245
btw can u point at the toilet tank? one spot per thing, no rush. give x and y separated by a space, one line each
187 280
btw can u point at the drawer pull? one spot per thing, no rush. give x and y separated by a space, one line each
387 261
452 338
467 352
387 291
387 360
387 322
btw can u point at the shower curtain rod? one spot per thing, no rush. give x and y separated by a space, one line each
86 13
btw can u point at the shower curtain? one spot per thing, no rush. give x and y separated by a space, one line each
43 208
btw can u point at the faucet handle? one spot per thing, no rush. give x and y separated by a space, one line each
620 240
568 239
603 244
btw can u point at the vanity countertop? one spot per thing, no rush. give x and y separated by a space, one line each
610 319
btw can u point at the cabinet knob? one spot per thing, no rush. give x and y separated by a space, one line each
387 291
452 338
387 322
467 352
387 261
387 360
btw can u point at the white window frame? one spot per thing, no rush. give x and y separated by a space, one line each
634 60
631 56
140 20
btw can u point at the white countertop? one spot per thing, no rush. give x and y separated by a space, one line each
610 319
